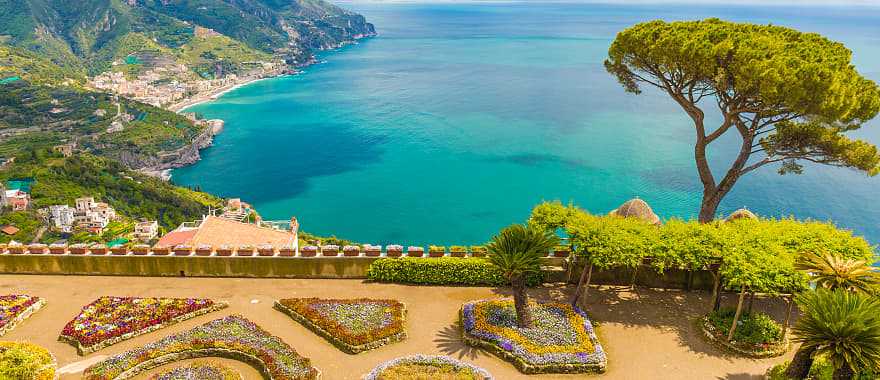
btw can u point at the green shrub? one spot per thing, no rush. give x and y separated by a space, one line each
440 271
753 328
822 369
25 361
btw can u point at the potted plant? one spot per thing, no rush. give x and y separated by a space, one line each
244 250
98 250
286 252
77 249
372 250
309 251
224 250
16 249
266 250
457 251
330 250
204 250
119 250
436 251
561 251
3 248
351 251
414 251
160 250
182 250
141 250
478 251
394 250
58 249
37 249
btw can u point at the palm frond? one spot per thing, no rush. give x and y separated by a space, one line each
518 249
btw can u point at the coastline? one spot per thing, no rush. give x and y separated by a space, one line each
212 95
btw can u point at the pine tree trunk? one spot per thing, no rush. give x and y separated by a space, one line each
800 365
845 372
739 306
521 302
583 288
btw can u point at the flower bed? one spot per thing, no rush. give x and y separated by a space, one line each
353 326
427 367
199 371
233 337
562 340
756 335
110 320
19 359
15 308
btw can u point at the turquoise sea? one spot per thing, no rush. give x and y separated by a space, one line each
459 118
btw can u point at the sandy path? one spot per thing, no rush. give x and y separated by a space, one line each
647 334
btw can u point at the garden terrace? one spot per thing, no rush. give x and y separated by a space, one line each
15 308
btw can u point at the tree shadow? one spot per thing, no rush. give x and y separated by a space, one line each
449 341
665 309
741 376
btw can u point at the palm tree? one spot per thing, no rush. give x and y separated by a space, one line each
832 271
841 325
517 251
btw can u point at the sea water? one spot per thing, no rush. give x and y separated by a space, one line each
459 118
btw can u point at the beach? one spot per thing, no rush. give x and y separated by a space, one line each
213 94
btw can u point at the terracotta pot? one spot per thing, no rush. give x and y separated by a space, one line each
436 253
308 253
16 249
330 252
352 252
286 252
37 249
224 251
415 252
244 251
478 254
458 254
182 251
119 251
140 250
161 251
373 252
57 249
204 251
99 250
266 251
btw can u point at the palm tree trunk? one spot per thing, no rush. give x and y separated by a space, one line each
521 302
800 364
739 308
583 288
845 372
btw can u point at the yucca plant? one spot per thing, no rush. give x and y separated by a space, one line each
517 252
840 325
831 271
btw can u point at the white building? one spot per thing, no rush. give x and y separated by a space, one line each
63 217
92 215
146 231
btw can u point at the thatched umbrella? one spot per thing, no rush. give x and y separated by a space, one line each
637 208
741 214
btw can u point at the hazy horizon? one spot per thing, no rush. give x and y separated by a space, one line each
870 3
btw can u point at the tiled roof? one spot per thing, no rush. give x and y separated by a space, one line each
175 238
217 231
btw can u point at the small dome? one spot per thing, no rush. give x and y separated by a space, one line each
741 214
637 208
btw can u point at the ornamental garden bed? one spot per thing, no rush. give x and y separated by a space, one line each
199 371
757 335
352 325
562 340
233 337
15 308
427 367
110 320
24 360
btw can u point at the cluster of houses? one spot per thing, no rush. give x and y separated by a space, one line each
169 84
87 214
15 198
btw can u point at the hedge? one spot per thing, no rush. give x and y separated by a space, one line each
440 271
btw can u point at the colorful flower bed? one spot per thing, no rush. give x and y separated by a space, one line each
15 308
561 341
20 360
353 326
427 367
199 371
110 320
233 337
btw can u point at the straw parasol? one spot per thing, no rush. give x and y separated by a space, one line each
637 208
742 213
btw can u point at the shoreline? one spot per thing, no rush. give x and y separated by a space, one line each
213 95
